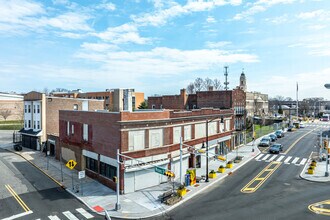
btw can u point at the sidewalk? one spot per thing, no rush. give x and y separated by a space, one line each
319 171
143 203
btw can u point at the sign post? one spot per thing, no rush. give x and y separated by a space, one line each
71 164
81 175
160 170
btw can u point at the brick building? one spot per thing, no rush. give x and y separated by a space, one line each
153 136
41 118
11 105
231 99
114 99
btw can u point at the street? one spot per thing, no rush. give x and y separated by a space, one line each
29 194
283 195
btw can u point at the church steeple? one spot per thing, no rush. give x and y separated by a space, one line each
242 81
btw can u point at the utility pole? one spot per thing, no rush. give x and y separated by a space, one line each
226 77
118 180
297 103
327 159
181 160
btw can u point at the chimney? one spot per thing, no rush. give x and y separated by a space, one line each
210 88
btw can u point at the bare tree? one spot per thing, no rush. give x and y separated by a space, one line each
208 83
46 91
5 113
288 99
191 88
199 82
217 84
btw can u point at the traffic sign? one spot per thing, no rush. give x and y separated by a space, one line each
160 170
81 174
71 164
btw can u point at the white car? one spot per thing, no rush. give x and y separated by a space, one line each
301 125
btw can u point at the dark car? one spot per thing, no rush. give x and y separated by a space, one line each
279 133
273 137
265 142
275 149
290 128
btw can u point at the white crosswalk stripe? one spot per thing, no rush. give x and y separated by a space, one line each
287 160
70 216
259 156
280 158
295 160
272 158
84 213
53 217
265 157
303 161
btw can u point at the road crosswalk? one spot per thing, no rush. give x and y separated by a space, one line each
80 214
279 158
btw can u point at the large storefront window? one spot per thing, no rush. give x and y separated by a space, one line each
107 170
91 164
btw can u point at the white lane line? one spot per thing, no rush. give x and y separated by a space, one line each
258 157
280 158
303 161
295 160
265 157
70 216
84 213
18 215
287 160
53 217
272 158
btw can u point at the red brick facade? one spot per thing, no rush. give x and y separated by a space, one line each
108 132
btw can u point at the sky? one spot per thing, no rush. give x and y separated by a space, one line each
160 46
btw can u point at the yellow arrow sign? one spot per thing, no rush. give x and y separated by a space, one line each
71 164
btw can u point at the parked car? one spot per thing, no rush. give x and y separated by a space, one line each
273 137
279 133
302 125
275 149
265 142
290 128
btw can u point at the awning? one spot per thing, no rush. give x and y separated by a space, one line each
30 132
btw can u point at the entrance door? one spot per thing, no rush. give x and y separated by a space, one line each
51 149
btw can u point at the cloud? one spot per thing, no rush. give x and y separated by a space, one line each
320 15
160 17
164 61
69 21
126 33
278 20
219 44
107 6
210 19
98 47
259 6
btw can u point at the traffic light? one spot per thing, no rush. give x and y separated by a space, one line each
114 179
169 174
325 144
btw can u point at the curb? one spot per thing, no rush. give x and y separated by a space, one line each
198 192
50 177
310 180
57 182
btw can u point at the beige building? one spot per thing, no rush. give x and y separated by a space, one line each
41 117
11 107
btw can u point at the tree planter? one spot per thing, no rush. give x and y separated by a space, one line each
310 171
313 163
212 175
221 169
229 165
182 192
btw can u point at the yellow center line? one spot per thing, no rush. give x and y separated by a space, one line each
294 143
260 180
18 199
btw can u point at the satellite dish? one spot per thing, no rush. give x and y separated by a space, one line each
327 85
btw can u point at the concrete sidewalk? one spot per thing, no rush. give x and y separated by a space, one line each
140 204
319 171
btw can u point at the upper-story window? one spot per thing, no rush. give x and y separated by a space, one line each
156 138
34 108
38 124
34 124
136 140
25 109
29 108
153 107
75 107
67 128
72 129
25 124
85 132
176 135
187 132
38 108
29 124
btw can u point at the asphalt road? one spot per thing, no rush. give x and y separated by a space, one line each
284 195
26 191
